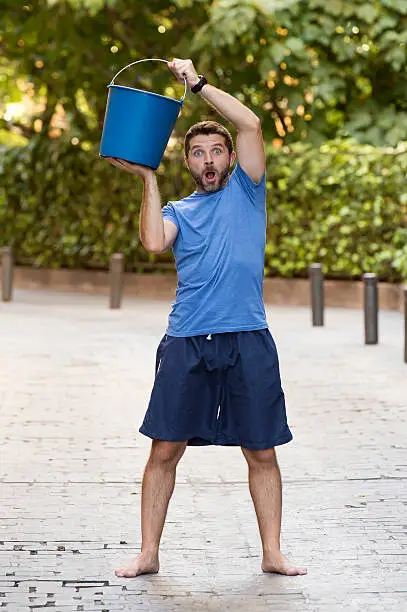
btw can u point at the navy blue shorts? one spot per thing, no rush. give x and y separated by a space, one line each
219 389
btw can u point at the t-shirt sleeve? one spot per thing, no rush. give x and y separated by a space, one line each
169 213
256 192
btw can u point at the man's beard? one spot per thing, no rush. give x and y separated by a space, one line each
223 179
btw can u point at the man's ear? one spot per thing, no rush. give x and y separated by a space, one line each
186 161
232 158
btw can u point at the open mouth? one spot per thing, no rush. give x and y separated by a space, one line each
210 175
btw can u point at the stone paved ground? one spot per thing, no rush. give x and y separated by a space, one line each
74 383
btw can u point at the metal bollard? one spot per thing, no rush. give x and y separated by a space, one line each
371 308
7 274
405 324
317 293
116 279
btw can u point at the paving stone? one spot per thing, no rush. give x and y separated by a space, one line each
75 380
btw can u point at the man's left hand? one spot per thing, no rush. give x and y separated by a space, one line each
184 69
141 171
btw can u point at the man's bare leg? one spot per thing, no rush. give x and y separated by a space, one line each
266 491
158 486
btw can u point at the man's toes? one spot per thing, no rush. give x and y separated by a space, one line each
296 572
125 573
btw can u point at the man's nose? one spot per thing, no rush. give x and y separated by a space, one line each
208 159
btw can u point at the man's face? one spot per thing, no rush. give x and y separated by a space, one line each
209 162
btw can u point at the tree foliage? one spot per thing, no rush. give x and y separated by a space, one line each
311 70
314 71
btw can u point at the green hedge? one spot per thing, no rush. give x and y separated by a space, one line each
341 204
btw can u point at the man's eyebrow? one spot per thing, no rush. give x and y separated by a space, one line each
216 144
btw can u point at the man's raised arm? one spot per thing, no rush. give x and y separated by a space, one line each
249 141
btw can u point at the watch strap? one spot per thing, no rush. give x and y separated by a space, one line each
198 86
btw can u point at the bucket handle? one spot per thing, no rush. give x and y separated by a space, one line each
151 59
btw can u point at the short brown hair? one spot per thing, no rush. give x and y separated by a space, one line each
208 127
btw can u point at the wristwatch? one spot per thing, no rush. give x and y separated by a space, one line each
198 86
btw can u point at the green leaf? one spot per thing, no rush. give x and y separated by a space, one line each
367 12
277 52
335 7
295 45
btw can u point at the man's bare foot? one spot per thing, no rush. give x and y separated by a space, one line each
145 563
276 562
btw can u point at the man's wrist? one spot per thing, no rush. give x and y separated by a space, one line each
147 174
202 90
194 82
199 84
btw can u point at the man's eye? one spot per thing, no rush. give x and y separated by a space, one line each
197 153
218 151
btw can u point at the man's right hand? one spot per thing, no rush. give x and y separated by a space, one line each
141 171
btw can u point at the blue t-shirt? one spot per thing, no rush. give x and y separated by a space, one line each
219 255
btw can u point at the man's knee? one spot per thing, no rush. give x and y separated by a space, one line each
166 453
261 458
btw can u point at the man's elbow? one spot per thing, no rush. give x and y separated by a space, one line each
252 124
153 247
256 122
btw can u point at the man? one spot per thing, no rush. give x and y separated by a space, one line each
217 377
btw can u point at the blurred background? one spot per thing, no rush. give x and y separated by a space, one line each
327 78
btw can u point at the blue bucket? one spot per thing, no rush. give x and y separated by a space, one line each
138 124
